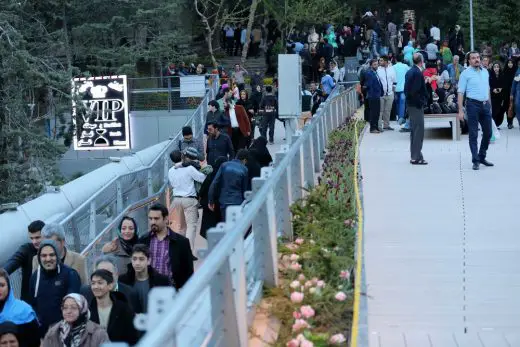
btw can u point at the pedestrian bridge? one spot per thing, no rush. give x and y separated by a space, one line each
438 250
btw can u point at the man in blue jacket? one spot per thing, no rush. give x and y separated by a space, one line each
230 183
49 284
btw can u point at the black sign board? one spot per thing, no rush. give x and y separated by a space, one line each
100 113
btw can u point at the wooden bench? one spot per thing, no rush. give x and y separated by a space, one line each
446 117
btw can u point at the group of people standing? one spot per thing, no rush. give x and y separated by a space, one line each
63 306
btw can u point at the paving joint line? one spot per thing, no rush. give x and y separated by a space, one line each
464 245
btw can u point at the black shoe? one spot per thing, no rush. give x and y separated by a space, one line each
510 126
486 163
476 166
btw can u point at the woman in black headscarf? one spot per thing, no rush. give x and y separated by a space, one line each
209 218
121 246
260 152
496 85
508 76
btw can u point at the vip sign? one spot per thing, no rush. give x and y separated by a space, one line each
100 113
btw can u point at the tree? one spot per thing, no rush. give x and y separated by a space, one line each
214 14
250 22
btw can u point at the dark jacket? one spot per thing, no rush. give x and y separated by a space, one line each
220 146
415 88
49 290
181 258
121 320
130 294
155 279
373 84
215 117
230 184
22 259
269 105
260 152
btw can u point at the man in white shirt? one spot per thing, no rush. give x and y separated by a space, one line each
435 33
182 180
386 75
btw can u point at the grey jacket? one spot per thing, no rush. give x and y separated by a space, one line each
94 336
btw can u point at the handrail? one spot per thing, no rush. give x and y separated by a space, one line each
227 239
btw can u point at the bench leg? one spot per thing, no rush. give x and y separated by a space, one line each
454 124
457 122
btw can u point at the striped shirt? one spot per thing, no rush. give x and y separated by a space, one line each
160 255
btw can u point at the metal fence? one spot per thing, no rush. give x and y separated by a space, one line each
218 303
161 93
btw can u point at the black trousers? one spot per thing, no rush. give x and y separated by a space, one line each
375 107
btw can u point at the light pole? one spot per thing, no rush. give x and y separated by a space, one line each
472 44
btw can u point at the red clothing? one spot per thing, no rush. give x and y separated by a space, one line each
430 72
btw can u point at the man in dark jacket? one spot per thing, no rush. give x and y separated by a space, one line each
374 90
49 284
141 276
189 141
109 263
269 113
230 183
219 144
24 255
416 98
170 252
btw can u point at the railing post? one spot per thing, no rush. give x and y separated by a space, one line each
296 171
316 147
119 197
265 231
149 181
228 288
170 99
282 197
308 160
92 220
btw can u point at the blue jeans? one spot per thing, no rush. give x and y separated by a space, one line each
478 112
400 100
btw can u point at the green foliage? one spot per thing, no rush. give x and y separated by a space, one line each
323 223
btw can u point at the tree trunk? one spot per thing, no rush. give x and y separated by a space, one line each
252 12
209 40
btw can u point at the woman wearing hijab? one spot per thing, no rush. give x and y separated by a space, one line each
248 105
121 246
19 313
9 335
75 330
209 218
508 75
496 85
260 152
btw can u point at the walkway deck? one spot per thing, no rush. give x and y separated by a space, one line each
442 242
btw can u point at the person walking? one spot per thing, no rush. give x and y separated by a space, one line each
416 99
474 82
387 76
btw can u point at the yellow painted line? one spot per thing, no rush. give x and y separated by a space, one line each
359 243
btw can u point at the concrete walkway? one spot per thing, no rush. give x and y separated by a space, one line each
442 242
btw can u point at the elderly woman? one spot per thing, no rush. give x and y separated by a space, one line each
76 329
121 246
19 313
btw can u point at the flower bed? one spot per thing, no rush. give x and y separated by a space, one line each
314 301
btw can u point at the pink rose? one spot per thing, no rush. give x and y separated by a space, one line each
320 284
294 257
297 297
295 284
337 339
293 343
340 296
296 315
300 324
315 280
306 343
299 241
344 275
291 246
301 277
295 266
307 311
308 284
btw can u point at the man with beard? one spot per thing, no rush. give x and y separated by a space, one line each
49 284
170 252
374 90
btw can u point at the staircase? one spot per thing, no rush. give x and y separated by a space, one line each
251 65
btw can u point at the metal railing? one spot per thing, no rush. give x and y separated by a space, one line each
95 221
217 304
